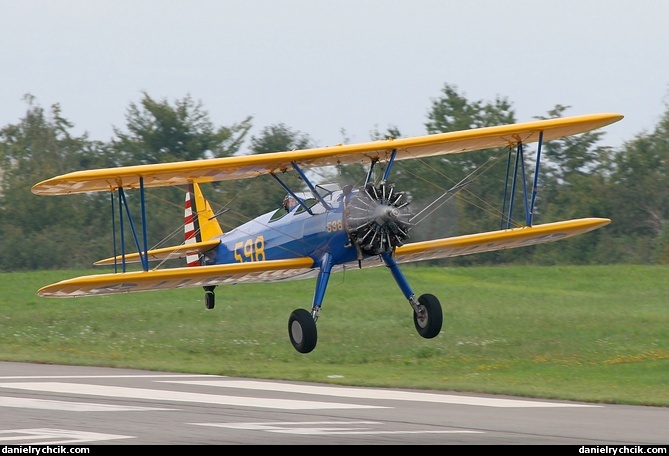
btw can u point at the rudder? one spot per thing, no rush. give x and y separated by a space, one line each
199 221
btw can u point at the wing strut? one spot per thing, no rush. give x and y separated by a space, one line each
371 170
113 221
536 178
519 162
519 159
386 173
306 180
142 251
121 228
142 196
290 190
310 185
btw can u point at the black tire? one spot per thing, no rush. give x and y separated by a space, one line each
302 331
209 299
429 326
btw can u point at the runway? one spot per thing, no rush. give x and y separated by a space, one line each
70 405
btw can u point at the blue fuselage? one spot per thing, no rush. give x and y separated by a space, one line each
282 234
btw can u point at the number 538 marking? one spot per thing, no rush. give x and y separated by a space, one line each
250 250
335 225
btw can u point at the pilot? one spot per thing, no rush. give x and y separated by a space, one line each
289 202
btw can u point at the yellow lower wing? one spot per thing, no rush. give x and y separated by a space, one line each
166 253
496 240
302 268
125 282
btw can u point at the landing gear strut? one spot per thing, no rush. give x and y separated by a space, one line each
302 323
427 314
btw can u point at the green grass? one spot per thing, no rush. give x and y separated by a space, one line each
587 333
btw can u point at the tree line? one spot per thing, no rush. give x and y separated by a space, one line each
580 178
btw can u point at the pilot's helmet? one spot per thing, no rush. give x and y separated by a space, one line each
289 202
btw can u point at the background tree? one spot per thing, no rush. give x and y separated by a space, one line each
639 197
161 132
39 232
49 229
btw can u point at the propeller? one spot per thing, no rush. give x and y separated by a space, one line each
378 218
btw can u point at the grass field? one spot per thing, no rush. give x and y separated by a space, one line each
587 333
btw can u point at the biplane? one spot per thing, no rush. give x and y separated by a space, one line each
329 228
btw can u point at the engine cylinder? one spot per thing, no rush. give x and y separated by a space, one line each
377 218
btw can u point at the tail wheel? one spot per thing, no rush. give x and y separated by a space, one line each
429 318
209 298
302 331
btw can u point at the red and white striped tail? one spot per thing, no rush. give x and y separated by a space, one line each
200 222
191 228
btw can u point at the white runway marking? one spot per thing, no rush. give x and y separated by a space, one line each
369 393
178 396
326 428
47 436
24 402
46 377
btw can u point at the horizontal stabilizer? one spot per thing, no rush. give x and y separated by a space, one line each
166 253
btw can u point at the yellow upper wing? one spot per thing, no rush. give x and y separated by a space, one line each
240 167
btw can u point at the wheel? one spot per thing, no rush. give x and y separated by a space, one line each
209 299
302 331
430 324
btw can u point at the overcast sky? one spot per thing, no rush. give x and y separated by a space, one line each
321 67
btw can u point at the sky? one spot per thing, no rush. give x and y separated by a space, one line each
335 70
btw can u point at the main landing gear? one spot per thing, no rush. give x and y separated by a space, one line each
377 222
427 318
427 312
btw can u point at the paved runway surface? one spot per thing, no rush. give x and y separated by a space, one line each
50 404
